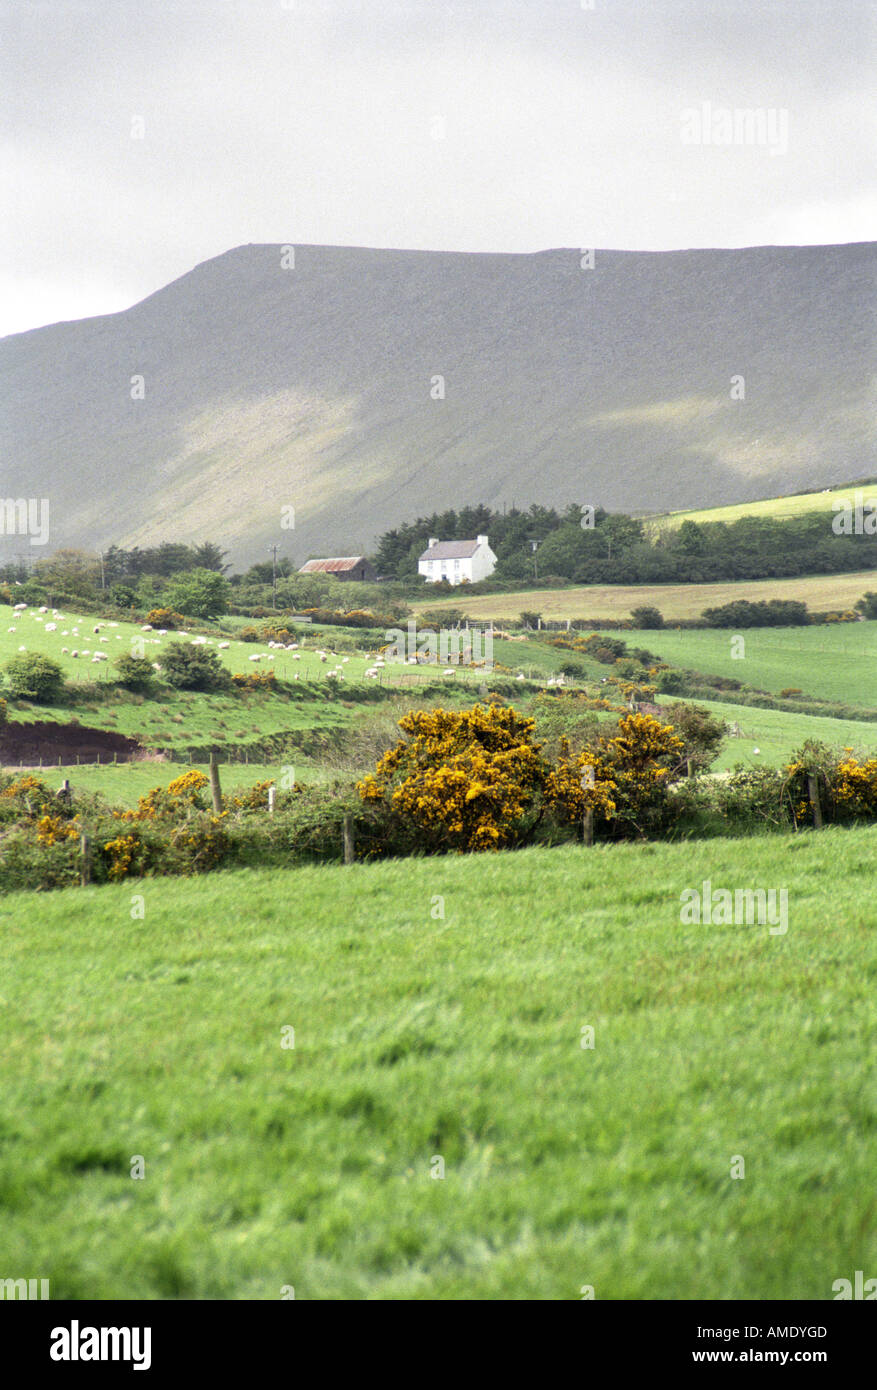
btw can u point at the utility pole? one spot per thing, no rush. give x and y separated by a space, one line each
273 549
534 546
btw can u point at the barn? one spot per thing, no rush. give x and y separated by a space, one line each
342 567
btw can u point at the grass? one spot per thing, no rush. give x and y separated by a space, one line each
419 1037
835 662
822 592
777 734
778 508
124 783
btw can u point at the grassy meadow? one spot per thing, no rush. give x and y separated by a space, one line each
821 592
829 661
420 1038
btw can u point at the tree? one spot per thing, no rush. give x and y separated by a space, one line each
190 667
32 676
209 557
73 571
199 593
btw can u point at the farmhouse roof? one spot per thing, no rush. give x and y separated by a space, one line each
451 550
334 564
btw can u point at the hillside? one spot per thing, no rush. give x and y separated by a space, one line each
825 502
310 388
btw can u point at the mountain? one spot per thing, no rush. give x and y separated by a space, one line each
312 388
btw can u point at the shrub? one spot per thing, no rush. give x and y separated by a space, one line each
847 788
867 604
122 596
647 616
776 612
172 802
32 676
630 772
256 680
187 667
700 732
135 672
166 618
467 780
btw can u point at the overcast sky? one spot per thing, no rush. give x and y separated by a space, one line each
484 125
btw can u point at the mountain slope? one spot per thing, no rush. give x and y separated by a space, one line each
310 388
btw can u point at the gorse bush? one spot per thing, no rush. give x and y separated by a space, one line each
463 780
165 618
623 777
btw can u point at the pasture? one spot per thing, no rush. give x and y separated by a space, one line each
821 592
425 1044
831 661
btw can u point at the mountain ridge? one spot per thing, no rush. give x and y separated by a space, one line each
312 387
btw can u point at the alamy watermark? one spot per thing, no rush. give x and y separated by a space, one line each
25 516
469 646
763 127
856 518
24 1289
741 907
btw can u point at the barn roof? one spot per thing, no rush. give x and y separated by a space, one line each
334 564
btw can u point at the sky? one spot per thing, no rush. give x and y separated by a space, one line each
139 138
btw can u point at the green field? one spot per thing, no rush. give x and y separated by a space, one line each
830 662
798 504
419 1038
121 785
821 592
777 734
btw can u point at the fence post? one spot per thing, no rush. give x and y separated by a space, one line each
347 835
215 789
813 792
587 781
272 797
85 857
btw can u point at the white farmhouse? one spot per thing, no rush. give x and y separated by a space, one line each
457 562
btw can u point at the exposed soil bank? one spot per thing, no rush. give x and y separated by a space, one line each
27 744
